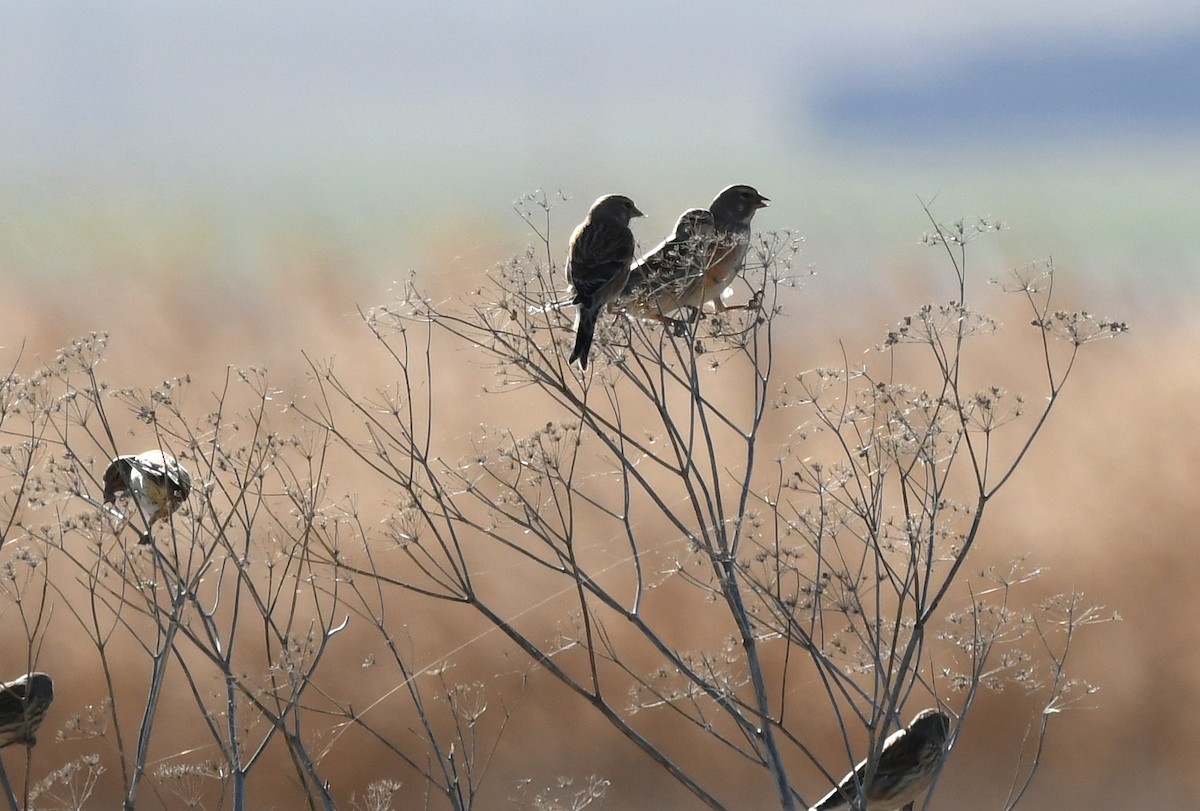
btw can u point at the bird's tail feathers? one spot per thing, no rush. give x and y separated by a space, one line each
585 329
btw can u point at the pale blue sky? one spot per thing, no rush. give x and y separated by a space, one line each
375 119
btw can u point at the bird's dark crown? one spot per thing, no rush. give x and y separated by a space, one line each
616 206
738 201
931 723
691 220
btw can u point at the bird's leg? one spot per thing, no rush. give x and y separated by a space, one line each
695 315
725 307
753 304
679 326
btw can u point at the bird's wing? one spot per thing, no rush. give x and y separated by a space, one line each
600 251
12 697
900 751
897 749
671 266
162 470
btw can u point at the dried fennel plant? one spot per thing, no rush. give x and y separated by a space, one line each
650 506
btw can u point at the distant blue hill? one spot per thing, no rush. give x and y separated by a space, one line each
1038 93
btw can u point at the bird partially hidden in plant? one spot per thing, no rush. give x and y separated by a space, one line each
661 281
696 265
732 211
23 706
599 256
907 763
157 483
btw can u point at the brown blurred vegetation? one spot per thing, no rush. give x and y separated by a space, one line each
1105 501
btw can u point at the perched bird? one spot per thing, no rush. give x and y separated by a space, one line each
23 706
155 480
907 762
660 279
598 261
732 211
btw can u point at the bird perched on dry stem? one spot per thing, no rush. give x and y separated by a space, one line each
155 480
661 279
698 263
598 261
732 211
23 706
907 763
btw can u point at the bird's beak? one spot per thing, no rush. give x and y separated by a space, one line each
637 213
763 202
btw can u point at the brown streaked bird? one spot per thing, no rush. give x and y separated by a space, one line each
599 256
907 763
732 211
660 279
155 480
23 706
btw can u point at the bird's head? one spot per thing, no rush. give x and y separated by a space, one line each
694 222
614 207
738 203
931 725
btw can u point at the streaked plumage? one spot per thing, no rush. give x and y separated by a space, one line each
659 280
732 211
155 480
907 763
598 261
23 706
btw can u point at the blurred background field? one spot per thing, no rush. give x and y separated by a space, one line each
228 184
